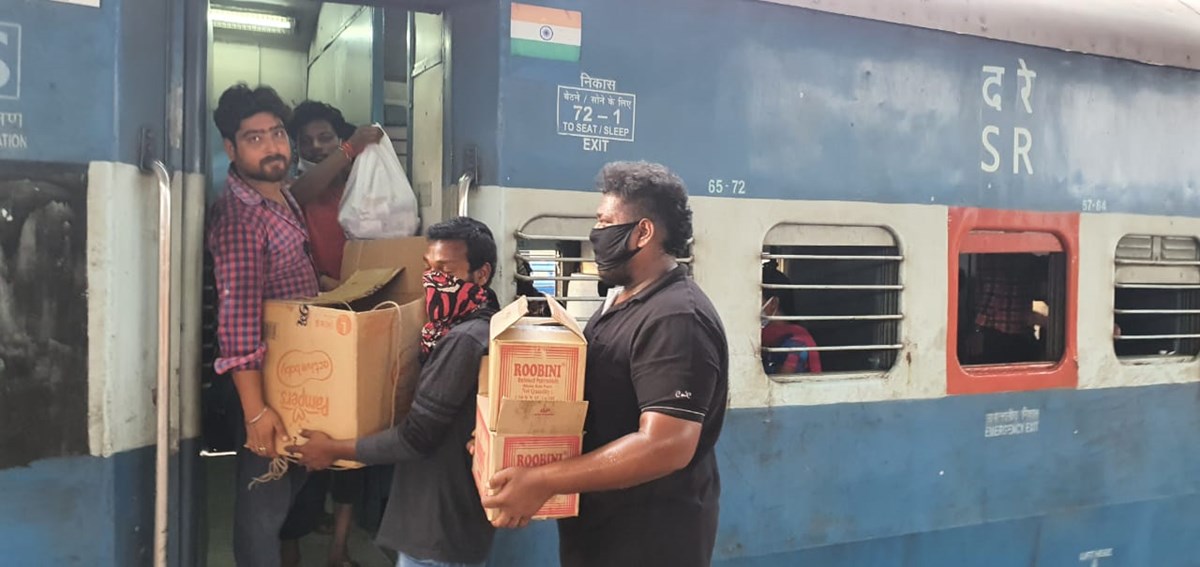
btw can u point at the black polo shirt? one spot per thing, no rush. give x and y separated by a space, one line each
663 350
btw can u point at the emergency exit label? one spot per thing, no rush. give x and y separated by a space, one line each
596 112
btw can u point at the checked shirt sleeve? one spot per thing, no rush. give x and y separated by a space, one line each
238 250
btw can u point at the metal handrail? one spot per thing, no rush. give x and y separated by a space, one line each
768 256
464 190
1157 286
1156 311
555 259
579 278
833 348
561 298
1124 337
839 287
524 236
882 317
163 382
1143 262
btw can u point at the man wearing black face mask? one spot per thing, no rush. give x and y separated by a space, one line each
433 515
657 383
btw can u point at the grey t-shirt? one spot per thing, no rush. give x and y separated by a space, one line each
433 511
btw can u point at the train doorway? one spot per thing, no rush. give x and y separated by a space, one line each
377 65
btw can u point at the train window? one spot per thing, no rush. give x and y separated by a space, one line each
1013 277
1012 294
1157 297
555 257
830 300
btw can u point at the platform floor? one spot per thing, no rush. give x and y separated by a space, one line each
313 548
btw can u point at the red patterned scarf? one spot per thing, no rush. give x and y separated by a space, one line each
448 301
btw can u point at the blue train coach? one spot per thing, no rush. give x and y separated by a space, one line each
878 166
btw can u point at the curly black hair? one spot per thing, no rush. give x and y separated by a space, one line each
656 193
240 102
310 111
481 244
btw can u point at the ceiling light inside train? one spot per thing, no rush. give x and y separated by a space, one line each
251 21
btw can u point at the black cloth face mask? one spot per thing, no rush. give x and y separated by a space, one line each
609 244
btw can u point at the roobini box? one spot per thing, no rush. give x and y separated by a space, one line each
533 358
529 434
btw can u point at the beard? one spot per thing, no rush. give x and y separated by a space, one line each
271 169
618 276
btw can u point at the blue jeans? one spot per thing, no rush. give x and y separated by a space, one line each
259 514
409 561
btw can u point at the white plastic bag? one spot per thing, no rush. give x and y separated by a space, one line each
379 201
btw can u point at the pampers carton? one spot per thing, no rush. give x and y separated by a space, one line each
407 290
534 358
346 362
527 433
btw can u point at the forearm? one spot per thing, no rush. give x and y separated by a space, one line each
634 459
343 450
319 178
387 446
249 385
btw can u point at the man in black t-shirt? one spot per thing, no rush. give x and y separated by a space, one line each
433 515
657 387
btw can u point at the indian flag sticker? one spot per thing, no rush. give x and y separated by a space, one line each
548 33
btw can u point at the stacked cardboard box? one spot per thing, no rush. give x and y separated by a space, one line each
346 362
530 408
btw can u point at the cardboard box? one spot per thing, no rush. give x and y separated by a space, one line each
406 290
533 358
406 253
347 362
528 434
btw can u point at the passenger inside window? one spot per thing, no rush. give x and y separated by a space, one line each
784 334
1006 313
526 288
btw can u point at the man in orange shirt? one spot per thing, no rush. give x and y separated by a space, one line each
327 145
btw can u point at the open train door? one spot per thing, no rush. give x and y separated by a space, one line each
379 61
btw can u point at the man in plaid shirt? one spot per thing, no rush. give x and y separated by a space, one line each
260 251
1003 293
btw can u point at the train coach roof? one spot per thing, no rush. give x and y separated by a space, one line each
1158 32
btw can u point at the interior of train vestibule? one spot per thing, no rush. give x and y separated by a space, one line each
377 65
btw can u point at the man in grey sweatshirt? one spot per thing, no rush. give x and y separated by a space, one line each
433 515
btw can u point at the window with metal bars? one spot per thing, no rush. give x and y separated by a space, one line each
830 299
1156 298
553 253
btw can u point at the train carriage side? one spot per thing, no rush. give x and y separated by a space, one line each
881 165
876 163
91 96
